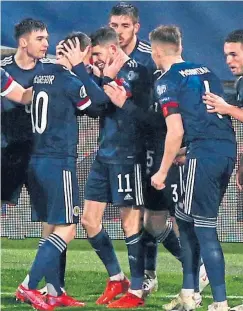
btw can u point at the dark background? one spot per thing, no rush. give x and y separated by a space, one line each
204 24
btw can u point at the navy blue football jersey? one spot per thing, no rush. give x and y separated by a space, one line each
121 136
57 94
15 117
156 130
142 54
180 89
7 83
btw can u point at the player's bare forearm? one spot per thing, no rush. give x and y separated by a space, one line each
173 141
27 96
20 95
172 146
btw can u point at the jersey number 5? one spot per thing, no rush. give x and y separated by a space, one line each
39 112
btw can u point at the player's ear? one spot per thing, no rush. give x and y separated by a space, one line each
22 42
113 49
136 28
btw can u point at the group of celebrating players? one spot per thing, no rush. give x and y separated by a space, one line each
166 147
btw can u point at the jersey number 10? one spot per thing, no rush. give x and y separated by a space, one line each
39 112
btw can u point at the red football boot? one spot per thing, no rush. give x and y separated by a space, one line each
127 301
113 288
63 301
33 297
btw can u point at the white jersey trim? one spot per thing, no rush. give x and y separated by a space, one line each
9 89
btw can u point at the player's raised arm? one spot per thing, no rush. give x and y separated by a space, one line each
75 52
13 90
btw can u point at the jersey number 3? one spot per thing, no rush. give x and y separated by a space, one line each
39 112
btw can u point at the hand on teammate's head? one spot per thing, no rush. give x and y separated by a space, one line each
71 50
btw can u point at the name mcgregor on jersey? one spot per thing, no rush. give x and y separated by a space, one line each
44 79
194 71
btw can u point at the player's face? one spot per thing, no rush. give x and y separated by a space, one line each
36 43
125 28
234 57
101 55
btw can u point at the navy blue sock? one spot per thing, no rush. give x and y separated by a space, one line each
213 259
190 253
135 249
46 263
63 267
170 241
150 251
62 263
103 247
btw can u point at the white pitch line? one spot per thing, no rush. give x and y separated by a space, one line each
165 296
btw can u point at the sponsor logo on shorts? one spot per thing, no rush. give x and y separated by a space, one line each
76 210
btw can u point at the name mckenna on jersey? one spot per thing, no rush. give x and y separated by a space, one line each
44 79
194 71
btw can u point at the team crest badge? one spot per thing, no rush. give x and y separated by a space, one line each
76 210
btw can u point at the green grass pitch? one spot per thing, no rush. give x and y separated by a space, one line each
86 276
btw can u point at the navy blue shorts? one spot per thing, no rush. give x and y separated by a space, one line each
120 184
205 183
14 164
167 198
53 189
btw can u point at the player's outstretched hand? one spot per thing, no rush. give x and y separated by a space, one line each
158 180
216 103
116 93
111 69
73 52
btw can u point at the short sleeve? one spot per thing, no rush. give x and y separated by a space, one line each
166 94
7 83
77 92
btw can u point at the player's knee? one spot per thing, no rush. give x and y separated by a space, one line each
47 229
155 230
131 227
90 223
66 232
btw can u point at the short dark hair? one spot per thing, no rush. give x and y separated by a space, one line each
103 36
166 34
235 36
84 40
28 25
127 9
